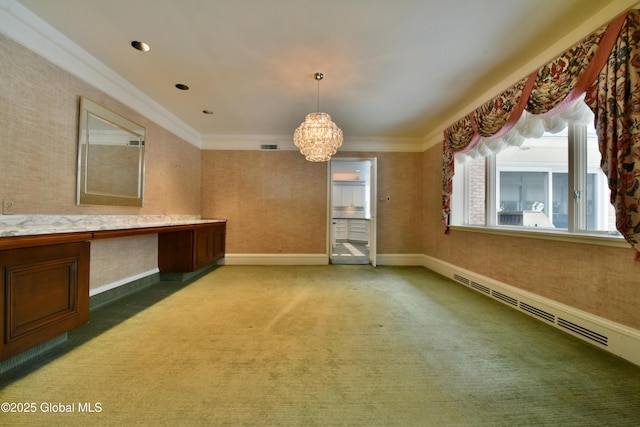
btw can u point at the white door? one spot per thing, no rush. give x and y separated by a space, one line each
352 210
373 197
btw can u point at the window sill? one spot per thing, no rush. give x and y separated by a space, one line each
547 234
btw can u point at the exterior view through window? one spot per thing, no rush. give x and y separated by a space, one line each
552 182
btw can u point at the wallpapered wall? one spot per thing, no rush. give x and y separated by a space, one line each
39 108
276 202
597 279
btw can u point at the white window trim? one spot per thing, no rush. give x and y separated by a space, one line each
576 232
595 238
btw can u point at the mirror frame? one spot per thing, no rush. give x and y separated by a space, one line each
85 197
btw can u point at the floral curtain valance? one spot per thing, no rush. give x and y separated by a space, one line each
606 64
533 126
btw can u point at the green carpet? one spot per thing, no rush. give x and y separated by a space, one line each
322 346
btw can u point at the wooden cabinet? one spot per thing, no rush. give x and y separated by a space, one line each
191 249
44 278
44 292
209 244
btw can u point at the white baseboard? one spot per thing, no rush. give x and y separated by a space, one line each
613 337
316 259
275 259
121 282
400 259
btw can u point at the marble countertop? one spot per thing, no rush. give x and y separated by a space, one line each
25 225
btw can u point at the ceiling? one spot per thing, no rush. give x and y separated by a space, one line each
392 68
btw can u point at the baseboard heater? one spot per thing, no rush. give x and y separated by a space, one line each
535 311
618 339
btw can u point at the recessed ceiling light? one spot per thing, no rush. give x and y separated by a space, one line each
182 86
142 46
207 111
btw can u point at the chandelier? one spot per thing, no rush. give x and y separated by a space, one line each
318 138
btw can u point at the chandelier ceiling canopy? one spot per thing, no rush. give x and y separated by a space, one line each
318 138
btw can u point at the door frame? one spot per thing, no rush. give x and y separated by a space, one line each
373 190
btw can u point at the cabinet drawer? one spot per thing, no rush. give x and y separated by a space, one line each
358 230
340 229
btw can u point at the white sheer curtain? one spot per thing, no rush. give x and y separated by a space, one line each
531 126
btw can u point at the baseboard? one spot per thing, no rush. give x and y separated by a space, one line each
400 259
121 288
121 282
188 276
613 337
32 353
315 259
276 259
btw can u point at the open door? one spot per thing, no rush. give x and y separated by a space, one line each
352 201
373 197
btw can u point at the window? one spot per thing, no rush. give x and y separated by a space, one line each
553 182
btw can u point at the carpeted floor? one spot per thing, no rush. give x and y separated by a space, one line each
321 346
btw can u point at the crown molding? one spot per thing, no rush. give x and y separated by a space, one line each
20 24
285 143
382 144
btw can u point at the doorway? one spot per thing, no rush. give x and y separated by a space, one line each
352 218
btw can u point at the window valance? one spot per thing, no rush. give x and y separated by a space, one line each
533 126
604 68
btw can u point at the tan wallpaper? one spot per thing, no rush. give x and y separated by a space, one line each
597 279
39 107
134 255
276 202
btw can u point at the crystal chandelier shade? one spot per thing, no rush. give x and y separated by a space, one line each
318 138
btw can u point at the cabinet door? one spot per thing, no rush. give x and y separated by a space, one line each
209 244
347 195
44 292
204 241
190 250
358 196
175 251
337 195
219 236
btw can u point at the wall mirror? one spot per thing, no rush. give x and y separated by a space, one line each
110 158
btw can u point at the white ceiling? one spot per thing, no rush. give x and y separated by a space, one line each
393 68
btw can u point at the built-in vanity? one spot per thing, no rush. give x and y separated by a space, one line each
45 264
52 266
